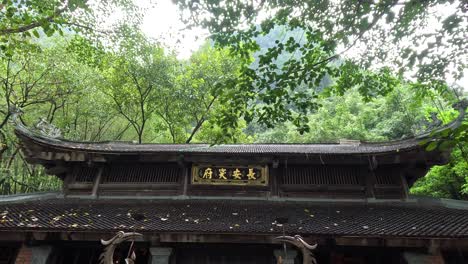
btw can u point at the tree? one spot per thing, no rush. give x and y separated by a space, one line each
350 116
26 83
446 181
201 83
40 84
151 89
23 20
139 81
375 30
53 85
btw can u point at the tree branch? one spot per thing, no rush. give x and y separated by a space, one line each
359 37
87 27
201 121
35 24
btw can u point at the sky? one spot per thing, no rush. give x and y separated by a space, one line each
162 22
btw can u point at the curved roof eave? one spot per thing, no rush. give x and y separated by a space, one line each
363 148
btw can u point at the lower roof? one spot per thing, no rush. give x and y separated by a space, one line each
397 219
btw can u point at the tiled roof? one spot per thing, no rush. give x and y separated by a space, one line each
227 216
128 147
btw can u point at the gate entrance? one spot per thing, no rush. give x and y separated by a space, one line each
224 254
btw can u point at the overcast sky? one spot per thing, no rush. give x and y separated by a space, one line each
162 23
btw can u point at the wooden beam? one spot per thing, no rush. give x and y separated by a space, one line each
80 186
404 185
370 183
359 241
155 237
215 238
185 179
404 242
66 183
138 186
97 182
275 173
57 170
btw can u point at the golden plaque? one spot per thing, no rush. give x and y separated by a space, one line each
251 175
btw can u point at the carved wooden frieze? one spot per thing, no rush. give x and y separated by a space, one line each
251 175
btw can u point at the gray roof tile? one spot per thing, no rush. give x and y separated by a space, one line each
247 149
206 216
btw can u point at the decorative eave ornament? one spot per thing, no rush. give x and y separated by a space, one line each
47 129
43 127
107 256
305 248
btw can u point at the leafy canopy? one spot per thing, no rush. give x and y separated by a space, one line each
24 21
394 37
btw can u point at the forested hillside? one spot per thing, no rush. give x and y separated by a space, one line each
131 88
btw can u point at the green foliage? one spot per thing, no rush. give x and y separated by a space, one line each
264 91
139 81
201 83
23 21
350 116
391 36
46 86
450 180
447 181
370 84
147 85
447 138
280 80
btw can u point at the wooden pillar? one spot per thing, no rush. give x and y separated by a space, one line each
287 258
66 182
404 185
97 181
336 258
187 174
24 255
41 254
370 183
421 258
274 172
34 255
160 255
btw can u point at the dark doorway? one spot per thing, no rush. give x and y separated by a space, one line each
83 253
8 253
365 255
223 254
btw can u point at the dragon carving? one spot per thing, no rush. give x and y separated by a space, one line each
107 256
306 249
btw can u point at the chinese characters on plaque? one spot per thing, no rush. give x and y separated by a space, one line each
230 175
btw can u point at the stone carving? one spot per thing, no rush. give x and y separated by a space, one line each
47 129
